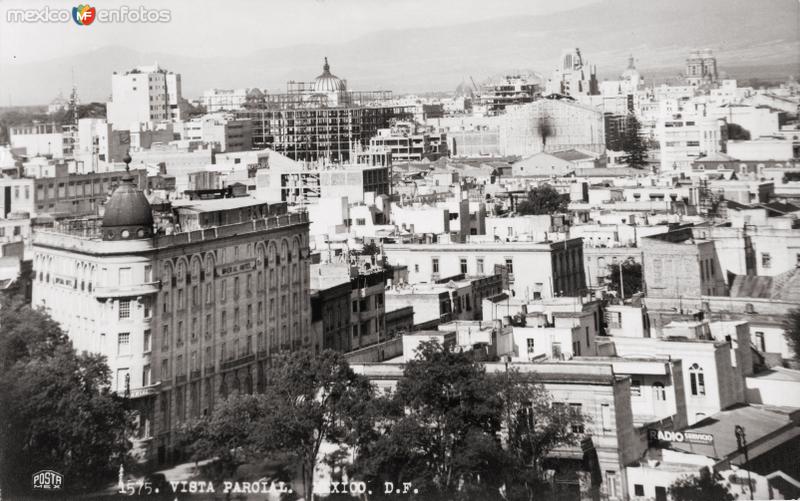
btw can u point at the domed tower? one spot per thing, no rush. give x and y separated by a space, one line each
333 87
328 82
128 215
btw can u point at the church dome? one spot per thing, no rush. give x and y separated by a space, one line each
127 214
328 82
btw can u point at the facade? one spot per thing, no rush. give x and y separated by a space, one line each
301 184
16 195
551 125
98 145
453 298
330 316
39 139
407 144
229 134
368 312
574 76
79 194
701 68
677 264
144 94
546 269
496 95
714 371
215 100
320 119
685 136
184 318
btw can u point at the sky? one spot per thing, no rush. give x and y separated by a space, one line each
239 26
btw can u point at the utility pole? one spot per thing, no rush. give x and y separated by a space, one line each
741 441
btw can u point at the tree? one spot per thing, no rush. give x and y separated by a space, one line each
705 487
631 277
543 199
446 430
55 406
440 429
634 145
370 249
308 400
225 435
535 427
313 399
737 132
791 330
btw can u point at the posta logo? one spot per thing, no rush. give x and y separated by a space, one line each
84 15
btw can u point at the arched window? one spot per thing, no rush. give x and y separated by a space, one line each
697 380
659 393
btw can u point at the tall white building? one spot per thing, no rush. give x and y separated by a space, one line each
686 132
573 76
144 94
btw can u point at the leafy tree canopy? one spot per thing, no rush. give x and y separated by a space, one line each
541 200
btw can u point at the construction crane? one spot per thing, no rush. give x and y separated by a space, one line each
473 83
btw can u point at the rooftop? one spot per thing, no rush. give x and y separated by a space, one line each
763 426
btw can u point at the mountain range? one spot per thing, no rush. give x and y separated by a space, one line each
749 38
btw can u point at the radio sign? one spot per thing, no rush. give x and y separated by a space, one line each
680 437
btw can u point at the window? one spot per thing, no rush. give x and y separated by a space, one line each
760 341
124 308
435 264
638 490
148 341
605 416
463 262
766 260
530 346
355 306
166 302
576 348
575 409
509 265
165 369
125 276
636 388
146 375
659 393
148 311
124 343
697 380
479 265
611 483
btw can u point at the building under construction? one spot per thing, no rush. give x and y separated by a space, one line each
320 120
